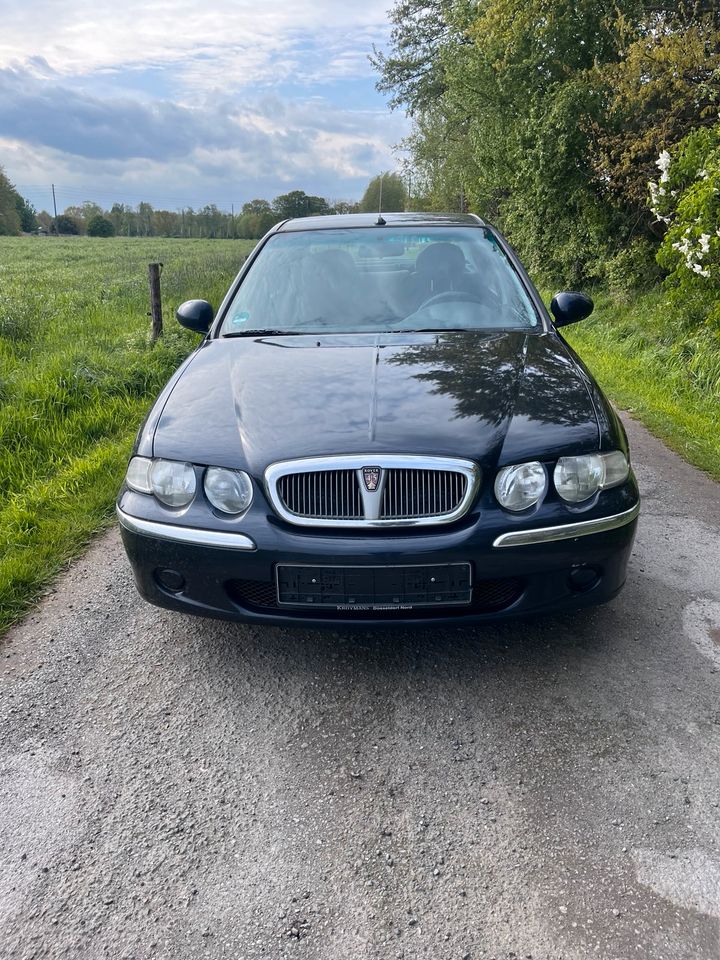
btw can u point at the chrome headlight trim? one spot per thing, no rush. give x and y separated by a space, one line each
567 531
191 535
468 468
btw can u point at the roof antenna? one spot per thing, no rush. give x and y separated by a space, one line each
380 222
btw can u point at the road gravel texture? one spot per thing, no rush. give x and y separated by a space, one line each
173 787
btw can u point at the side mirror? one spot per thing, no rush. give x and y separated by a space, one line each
569 307
196 315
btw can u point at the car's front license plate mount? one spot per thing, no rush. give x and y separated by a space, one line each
374 587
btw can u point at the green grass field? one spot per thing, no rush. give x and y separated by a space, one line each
77 373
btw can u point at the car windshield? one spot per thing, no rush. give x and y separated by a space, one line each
380 279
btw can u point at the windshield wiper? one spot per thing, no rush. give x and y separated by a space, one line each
435 330
263 333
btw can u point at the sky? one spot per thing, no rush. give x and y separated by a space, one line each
187 102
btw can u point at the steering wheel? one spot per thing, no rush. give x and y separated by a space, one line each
452 296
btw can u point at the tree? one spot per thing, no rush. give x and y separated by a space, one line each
412 73
9 217
100 226
144 219
343 206
298 204
65 224
45 221
665 85
27 214
83 213
547 115
394 193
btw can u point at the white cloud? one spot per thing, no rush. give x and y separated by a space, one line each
236 42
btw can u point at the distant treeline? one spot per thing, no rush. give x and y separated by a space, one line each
251 221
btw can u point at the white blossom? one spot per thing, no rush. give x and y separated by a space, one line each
705 242
663 165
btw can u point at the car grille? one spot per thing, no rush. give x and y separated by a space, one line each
330 494
357 491
422 493
488 596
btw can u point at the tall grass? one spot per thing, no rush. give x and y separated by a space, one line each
664 372
77 373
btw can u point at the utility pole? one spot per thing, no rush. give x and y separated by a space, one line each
54 205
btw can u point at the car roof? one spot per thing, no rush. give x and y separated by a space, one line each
343 221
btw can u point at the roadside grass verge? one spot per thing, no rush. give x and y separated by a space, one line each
77 374
663 373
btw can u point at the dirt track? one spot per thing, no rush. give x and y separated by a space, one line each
179 788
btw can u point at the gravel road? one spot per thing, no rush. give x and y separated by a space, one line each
184 788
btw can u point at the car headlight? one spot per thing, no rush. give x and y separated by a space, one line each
579 478
522 486
138 474
228 490
173 482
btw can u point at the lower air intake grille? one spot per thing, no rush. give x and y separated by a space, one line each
488 596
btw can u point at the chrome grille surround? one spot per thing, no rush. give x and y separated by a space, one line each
413 490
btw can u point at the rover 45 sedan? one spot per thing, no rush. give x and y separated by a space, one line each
381 424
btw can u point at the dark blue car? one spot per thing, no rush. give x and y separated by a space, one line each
381 424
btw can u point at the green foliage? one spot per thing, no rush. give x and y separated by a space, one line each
632 269
666 376
686 197
664 85
77 373
546 115
66 226
9 217
27 214
298 204
256 219
394 193
100 226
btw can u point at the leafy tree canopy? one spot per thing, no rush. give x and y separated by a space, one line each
100 226
65 225
9 217
547 115
394 194
298 204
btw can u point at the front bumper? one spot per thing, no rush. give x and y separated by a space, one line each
519 568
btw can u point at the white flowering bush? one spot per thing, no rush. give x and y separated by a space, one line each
686 196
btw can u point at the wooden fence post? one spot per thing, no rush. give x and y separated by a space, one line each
154 271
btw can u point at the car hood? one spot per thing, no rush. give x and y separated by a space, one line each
495 398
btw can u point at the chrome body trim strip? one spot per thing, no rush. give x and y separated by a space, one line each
567 531
356 462
192 535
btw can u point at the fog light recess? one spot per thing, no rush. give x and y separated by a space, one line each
583 578
170 580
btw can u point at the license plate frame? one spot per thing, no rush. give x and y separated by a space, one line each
351 587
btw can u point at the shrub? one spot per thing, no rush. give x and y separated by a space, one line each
99 226
687 198
633 269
